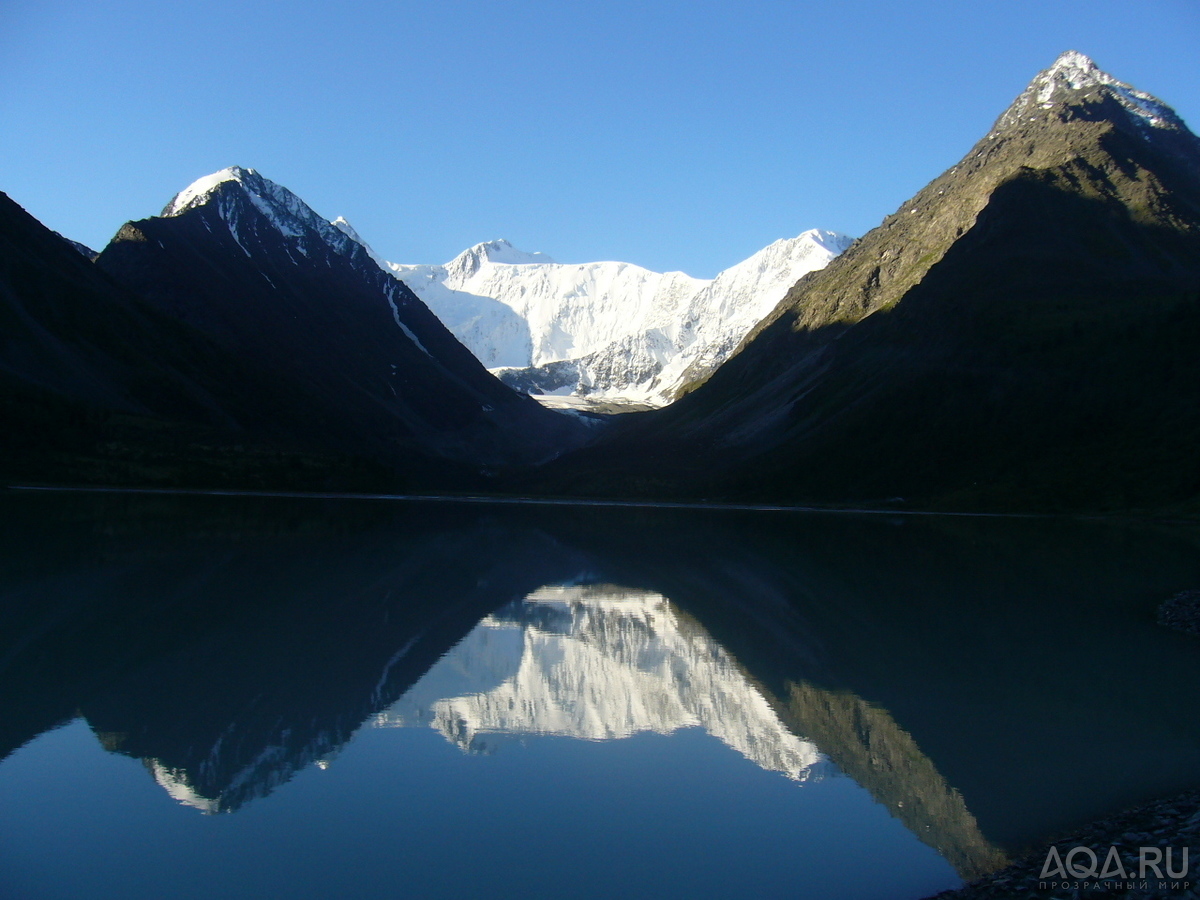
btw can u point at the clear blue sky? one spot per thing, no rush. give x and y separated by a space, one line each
676 135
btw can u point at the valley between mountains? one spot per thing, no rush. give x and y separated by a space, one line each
1019 336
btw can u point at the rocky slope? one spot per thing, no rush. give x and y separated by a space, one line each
251 266
99 387
1019 334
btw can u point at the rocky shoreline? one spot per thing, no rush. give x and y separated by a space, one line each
1172 823
1182 612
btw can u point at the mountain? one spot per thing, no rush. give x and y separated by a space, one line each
97 386
1019 335
249 265
606 329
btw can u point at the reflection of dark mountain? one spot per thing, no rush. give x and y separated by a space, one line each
1018 335
867 744
231 650
1004 673
1022 656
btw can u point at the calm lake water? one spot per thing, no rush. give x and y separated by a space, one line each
271 697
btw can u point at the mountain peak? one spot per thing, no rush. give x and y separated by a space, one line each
232 191
1074 79
502 251
471 260
198 192
348 230
1075 66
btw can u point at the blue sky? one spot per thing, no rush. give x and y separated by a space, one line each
676 135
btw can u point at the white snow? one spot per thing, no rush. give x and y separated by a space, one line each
631 331
598 663
196 193
626 333
1073 72
408 332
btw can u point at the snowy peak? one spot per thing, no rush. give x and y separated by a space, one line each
606 329
199 191
1074 78
830 241
1075 69
347 229
228 190
501 251
460 269
814 244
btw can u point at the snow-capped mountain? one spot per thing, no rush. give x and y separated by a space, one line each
1074 74
363 363
949 357
515 309
598 662
606 329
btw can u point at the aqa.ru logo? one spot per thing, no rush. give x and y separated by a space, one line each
1168 867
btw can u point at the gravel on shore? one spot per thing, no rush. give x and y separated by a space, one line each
1182 612
1172 823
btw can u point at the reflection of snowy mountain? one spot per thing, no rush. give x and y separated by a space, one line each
597 663
175 782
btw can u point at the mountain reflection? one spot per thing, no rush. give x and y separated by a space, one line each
991 682
598 662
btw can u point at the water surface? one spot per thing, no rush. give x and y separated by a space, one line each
243 697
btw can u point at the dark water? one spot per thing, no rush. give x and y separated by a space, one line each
249 697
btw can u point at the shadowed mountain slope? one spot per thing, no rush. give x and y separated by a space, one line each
183 359
251 266
1020 334
98 387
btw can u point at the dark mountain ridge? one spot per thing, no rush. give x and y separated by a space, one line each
247 263
95 384
1020 335
241 341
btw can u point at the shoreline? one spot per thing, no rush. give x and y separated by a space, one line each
1170 822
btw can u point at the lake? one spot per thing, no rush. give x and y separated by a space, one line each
233 696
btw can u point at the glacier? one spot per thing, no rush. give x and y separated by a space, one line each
607 330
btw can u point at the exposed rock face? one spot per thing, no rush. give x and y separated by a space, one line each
1019 334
